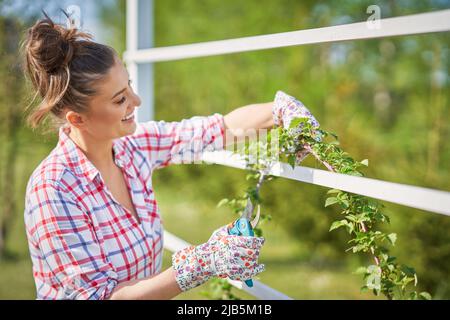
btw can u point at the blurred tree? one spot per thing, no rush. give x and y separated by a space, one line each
11 113
113 17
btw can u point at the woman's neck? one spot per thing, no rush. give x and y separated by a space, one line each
99 152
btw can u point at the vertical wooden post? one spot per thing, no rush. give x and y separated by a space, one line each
140 36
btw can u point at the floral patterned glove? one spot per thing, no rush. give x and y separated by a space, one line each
286 108
223 255
222 231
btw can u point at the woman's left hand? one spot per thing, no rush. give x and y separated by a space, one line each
285 109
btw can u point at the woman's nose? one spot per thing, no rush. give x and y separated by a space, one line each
137 100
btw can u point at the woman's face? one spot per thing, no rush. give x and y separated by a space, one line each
111 111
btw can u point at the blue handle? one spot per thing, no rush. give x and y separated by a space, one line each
242 227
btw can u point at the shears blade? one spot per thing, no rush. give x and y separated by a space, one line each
255 221
248 213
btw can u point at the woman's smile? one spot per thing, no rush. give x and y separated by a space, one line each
129 118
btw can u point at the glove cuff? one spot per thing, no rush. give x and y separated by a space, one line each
286 107
192 266
277 109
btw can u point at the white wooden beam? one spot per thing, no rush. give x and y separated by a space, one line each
412 196
437 21
140 36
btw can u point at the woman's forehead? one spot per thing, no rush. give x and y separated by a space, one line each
116 80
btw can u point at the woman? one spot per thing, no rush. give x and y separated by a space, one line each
92 221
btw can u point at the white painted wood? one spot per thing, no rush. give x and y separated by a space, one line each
437 21
140 36
132 33
412 196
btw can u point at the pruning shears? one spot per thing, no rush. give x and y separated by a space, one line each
244 225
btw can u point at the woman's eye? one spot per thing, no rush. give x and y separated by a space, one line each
121 101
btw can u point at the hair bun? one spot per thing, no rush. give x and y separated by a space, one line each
51 47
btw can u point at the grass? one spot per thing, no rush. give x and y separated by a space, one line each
16 280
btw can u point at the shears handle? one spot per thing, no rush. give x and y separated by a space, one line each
242 227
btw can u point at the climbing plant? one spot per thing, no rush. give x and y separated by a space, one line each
361 216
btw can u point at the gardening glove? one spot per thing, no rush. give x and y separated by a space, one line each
222 231
285 109
224 256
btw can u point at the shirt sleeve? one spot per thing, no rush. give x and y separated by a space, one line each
183 142
69 248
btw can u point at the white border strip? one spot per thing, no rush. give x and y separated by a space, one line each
259 290
437 21
416 197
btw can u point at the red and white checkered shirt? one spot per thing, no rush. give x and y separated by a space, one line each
81 240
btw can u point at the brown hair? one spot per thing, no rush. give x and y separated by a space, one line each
63 65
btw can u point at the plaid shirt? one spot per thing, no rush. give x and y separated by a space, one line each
81 240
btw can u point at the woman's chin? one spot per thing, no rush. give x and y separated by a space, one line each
128 128
132 128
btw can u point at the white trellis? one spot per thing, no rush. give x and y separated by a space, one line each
140 57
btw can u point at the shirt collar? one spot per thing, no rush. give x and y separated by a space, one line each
81 166
122 157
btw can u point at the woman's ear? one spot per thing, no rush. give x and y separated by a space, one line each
75 119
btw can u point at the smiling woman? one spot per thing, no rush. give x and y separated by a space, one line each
93 225
110 113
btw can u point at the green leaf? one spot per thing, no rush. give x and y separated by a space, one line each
413 295
360 247
333 191
351 217
297 121
350 227
291 160
391 259
330 201
360 270
252 175
222 202
373 281
410 272
345 203
392 238
424 296
337 224
364 289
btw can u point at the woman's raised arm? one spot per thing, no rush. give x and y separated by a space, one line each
240 121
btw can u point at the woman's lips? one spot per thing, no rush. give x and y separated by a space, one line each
128 118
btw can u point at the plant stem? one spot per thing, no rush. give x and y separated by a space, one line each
377 261
331 168
326 164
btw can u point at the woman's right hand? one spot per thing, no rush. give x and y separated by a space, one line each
225 256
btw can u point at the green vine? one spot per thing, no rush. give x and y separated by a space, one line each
360 215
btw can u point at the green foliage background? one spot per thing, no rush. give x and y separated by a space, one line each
387 99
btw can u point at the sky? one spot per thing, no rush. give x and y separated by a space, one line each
87 8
